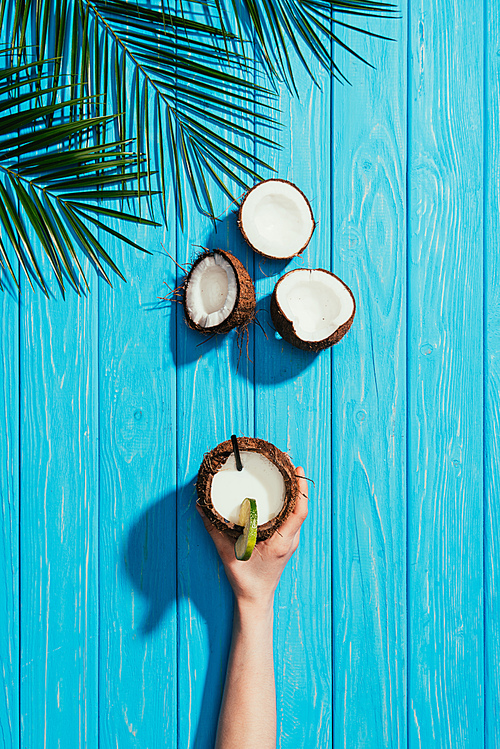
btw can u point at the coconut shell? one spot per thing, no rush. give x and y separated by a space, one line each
212 463
243 311
242 229
285 328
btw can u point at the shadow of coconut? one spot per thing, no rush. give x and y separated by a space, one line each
226 236
164 571
274 360
188 345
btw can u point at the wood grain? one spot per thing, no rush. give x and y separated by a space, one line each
9 534
293 411
58 521
445 524
214 400
137 521
492 382
369 396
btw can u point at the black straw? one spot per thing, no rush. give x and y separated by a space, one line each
236 449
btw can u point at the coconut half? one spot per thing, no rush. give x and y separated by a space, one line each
268 476
218 293
276 219
312 309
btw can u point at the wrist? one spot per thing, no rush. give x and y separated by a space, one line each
255 610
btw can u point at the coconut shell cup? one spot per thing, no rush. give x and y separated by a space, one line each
215 459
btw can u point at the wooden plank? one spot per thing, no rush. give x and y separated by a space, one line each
492 383
445 387
58 513
369 398
137 560
58 521
137 683
215 400
213 403
293 411
9 494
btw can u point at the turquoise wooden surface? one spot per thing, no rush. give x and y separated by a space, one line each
491 328
369 402
9 487
445 382
115 610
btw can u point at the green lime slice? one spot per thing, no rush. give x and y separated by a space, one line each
248 519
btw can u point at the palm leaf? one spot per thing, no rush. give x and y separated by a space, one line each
194 102
190 64
46 174
281 25
197 78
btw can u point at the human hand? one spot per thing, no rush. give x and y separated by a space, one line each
255 580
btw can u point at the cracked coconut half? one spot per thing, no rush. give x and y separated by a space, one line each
312 309
276 219
218 293
266 474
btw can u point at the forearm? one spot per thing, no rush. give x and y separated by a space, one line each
248 712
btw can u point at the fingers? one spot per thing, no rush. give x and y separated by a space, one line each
288 533
293 522
303 488
301 505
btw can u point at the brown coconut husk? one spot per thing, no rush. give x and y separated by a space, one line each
215 459
285 327
243 311
242 228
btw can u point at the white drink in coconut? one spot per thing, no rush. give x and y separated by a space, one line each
266 477
259 479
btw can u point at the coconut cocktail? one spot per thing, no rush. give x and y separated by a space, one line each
256 470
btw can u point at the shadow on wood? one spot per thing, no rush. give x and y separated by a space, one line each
276 360
150 559
226 236
162 576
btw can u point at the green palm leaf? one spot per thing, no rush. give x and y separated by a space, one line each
46 173
190 70
84 79
281 25
197 79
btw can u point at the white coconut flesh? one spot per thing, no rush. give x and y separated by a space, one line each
315 302
211 291
276 219
260 480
